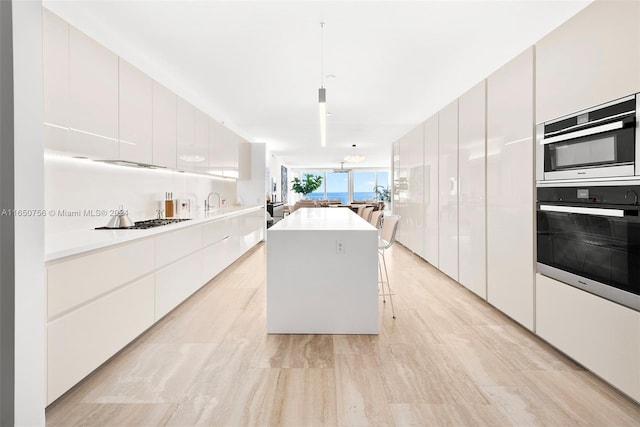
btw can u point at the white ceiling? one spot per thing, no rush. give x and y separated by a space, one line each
256 65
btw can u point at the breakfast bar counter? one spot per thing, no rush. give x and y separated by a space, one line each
322 273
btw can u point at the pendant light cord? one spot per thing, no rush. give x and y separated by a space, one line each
322 54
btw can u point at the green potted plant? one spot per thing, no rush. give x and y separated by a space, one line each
383 194
308 184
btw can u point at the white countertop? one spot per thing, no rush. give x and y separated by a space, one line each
322 219
68 243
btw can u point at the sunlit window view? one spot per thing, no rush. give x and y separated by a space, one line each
338 186
347 187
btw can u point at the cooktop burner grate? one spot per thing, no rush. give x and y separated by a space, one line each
149 223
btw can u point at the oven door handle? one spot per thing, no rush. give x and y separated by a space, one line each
585 132
580 210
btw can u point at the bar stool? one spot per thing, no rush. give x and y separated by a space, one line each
366 212
375 218
385 241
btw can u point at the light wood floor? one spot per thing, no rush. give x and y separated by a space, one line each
448 359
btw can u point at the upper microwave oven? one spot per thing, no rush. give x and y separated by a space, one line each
596 143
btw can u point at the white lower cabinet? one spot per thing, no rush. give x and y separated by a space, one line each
601 335
177 244
99 302
80 341
74 282
217 257
177 282
251 229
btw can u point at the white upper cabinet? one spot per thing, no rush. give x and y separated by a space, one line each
201 142
471 203
431 196
185 134
93 98
135 111
448 189
510 184
164 126
224 148
55 61
592 58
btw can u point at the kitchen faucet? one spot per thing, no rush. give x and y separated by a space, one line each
207 204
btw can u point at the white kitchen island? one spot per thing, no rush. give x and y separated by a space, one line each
322 273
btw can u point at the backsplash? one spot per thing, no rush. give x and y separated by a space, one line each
81 194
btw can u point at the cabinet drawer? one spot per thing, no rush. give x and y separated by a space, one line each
82 340
177 282
175 245
71 283
217 257
215 232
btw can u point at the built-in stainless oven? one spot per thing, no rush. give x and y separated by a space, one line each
596 143
588 236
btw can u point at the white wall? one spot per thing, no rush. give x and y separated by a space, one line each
77 185
29 230
275 172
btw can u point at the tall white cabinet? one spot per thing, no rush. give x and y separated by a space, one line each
431 191
448 190
471 202
601 335
412 221
401 202
510 185
479 185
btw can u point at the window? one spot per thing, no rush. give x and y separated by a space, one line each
363 185
338 186
365 182
356 185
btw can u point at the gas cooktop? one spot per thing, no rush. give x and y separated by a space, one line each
149 223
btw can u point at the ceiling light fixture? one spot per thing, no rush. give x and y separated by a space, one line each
353 157
322 94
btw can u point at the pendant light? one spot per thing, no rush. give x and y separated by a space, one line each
353 157
322 94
